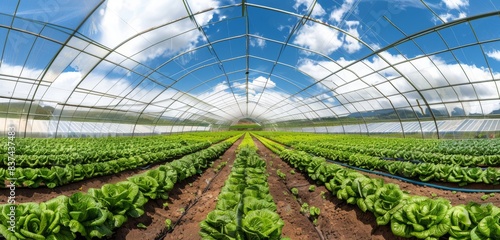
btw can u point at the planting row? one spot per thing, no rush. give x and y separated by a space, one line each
98 212
456 152
409 169
408 215
245 208
57 176
417 155
422 171
27 152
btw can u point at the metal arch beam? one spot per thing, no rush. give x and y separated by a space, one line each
113 50
65 45
55 57
216 78
407 38
295 28
304 17
242 56
221 67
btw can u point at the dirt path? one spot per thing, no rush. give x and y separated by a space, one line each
296 225
454 197
337 220
42 194
187 200
188 227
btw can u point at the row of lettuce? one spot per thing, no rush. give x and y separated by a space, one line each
98 212
57 176
245 208
365 158
467 152
35 153
53 176
408 215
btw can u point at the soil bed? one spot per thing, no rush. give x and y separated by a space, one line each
41 194
344 221
186 200
297 226
189 227
337 220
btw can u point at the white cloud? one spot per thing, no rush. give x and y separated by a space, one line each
318 10
351 44
257 42
447 17
338 14
421 72
495 54
456 4
318 37
256 85
120 20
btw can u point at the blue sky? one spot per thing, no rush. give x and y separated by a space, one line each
324 66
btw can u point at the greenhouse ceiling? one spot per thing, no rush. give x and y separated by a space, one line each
210 63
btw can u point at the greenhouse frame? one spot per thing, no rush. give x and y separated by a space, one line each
102 68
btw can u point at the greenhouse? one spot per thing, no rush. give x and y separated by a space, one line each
252 119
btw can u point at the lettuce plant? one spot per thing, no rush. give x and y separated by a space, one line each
38 221
479 211
121 199
228 201
488 228
87 216
385 202
219 224
422 218
147 185
262 224
460 222
253 203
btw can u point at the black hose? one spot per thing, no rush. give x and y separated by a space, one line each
417 182
164 232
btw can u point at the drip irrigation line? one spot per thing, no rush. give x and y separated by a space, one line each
320 234
303 185
417 182
165 232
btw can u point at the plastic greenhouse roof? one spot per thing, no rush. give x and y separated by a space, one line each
127 66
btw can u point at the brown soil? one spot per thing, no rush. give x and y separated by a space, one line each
189 203
296 225
455 198
42 194
192 199
339 220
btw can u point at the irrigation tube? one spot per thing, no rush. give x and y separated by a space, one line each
417 182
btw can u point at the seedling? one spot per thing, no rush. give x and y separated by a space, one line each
322 194
485 197
312 188
492 194
295 191
220 166
292 172
141 225
314 212
182 210
168 224
315 222
281 174
304 208
165 205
